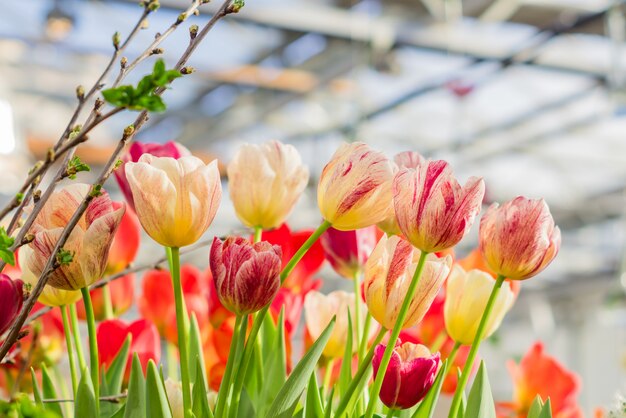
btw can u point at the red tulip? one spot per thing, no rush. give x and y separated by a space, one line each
145 342
11 299
136 150
247 276
347 251
541 374
432 209
409 376
519 239
156 302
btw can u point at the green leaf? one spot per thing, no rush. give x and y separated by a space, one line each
196 368
276 370
426 408
157 405
313 406
152 103
5 244
535 408
329 402
246 407
345 373
115 375
85 397
268 336
119 96
546 411
200 403
136 399
292 389
36 388
49 392
480 402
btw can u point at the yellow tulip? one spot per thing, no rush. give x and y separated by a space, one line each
175 199
265 182
467 294
388 274
354 190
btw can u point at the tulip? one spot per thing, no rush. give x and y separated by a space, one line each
175 200
89 242
174 391
47 345
388 274
11 298
135 151
347 251
126 242
466 300
145 342
432 209
475 260
247 276
409 376
265 182
319 309
519 239
354 190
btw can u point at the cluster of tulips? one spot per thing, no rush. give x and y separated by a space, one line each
416 316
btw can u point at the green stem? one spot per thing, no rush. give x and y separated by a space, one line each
328 374
438 343
78 343
93 347
257 233
357 310
172 360
260 317
181 326
365 336
107 301
356 380
393 412
238 384
70 351
223 392
404 310
480 333
451 358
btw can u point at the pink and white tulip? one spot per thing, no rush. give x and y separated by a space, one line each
247 276
354 190
432 209
175 200
519 238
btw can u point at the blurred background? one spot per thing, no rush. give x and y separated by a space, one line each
529 94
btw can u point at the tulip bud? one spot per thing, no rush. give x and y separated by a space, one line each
519 239
319 310
432 209
388 274
406 159
11 298
135 151
467 294
175 200
354 190
89 242
409 376
347 251
265 182
247 276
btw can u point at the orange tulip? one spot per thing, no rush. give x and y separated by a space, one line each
432 209
519 239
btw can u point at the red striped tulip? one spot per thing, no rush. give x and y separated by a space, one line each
89 242
409 376
265 182
407 159
354 190
11 298
388 274
247 276
432 209
519 238
135 151
347 251
175 200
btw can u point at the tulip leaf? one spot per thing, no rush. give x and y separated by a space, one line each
426 408
136 399
85 397
115 375
313 406
245 408
196 368
157 405
49 392
275 370
345 374
36 388
480 402
268 336
5 247
200 402
292 389
329 402
535 408
546 410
